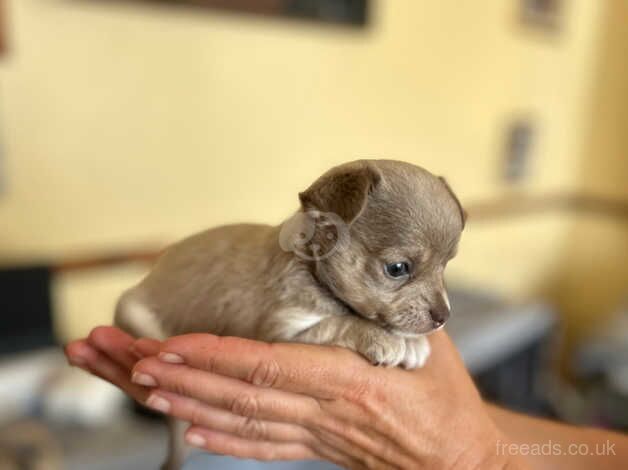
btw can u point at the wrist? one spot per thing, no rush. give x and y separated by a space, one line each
489 454
503 462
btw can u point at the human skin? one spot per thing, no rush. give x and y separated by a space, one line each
574 447
294 401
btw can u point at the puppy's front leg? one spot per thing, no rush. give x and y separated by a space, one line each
376 344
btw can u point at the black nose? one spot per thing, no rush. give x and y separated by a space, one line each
440 315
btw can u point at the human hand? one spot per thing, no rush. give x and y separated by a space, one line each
297 401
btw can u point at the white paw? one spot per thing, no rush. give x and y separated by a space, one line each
416 354
384 349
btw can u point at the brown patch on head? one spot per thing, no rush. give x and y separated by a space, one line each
343 190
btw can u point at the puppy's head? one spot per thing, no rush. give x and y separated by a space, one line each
403 226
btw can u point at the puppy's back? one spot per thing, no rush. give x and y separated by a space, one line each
206 283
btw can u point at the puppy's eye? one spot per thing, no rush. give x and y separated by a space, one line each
398 269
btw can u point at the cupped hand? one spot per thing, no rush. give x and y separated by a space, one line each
295 401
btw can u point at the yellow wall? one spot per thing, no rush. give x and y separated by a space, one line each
593 279
125 124
605 167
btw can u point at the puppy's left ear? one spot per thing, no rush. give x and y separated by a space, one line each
463 213
343 190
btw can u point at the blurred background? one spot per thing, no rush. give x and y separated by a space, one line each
125 125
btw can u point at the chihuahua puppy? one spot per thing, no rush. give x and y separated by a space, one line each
359 265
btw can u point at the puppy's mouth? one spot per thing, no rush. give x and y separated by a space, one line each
436 327
427 325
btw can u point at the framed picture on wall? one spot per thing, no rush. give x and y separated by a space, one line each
341 12
545 14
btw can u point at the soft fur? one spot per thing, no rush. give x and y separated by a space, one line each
320 276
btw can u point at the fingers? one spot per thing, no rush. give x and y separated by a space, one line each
145 347
110 353
77 353
226 393
223 443
84 355
114 343
195 412
119 346
319 371
228 444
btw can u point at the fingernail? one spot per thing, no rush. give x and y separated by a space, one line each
143 379
172 358
195 440
77 361
158 403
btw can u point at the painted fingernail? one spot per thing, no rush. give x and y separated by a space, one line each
195 440
143 379
171 358
158 403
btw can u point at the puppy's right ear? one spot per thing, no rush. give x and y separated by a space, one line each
343 190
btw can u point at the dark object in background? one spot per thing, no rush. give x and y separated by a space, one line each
26 309
601 366
335 11
26 296
545 14
518 151
506 347
342 12
3 28
514 382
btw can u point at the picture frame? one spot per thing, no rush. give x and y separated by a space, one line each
339 12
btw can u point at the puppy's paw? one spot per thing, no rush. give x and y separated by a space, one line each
383 348
417 351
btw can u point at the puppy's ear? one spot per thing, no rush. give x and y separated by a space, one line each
343 190
463 213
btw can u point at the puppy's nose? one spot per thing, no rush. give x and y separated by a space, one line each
439 315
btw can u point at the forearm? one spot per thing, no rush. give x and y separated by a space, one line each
550 445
